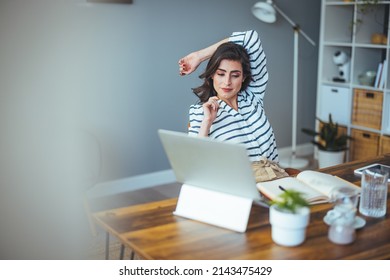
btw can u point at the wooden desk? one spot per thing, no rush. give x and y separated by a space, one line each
153 232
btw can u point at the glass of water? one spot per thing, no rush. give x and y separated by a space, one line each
373 198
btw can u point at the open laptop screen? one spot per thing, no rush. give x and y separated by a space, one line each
210 164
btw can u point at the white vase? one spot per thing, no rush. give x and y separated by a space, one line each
330 158
289 229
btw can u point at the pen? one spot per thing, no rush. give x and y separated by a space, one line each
283 189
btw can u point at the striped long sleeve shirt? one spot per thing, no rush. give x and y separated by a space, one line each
249 125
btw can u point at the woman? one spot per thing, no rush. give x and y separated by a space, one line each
231 97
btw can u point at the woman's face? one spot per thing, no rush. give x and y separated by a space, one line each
228 78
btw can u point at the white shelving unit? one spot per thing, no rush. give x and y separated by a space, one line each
345 28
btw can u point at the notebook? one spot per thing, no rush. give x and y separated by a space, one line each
210 164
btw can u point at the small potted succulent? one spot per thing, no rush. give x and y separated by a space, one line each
331 143
289 217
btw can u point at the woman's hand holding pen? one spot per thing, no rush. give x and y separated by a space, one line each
210 109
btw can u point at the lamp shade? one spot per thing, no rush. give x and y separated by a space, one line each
264 11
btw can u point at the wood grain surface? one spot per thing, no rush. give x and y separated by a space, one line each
153 232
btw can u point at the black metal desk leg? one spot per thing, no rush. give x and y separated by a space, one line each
122 252
107 245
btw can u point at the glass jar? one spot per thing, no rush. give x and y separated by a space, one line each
342 230
342 217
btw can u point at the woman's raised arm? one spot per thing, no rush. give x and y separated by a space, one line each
190 62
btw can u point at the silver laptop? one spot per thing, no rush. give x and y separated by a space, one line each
206 163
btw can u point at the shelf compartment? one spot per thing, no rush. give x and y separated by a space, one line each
372 21
366 59
330 69
339 21
364 144
367 108
331 95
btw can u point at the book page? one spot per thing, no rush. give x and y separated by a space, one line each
322 182
271 189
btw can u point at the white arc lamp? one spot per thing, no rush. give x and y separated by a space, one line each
266 11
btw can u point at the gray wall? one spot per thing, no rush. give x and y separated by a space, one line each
111 69
72 71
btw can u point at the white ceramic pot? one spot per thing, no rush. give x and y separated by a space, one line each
289 229
329 158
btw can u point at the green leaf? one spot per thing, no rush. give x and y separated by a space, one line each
290 201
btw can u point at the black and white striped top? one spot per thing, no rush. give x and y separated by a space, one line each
249 125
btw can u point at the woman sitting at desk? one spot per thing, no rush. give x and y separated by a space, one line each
232 94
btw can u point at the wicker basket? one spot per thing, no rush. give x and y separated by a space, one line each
365 144
384 147
367 108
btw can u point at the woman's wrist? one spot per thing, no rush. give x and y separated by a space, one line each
207 122
205 127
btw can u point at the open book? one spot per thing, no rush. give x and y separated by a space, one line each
316 186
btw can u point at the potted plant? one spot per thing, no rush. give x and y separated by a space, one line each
289 217
331 143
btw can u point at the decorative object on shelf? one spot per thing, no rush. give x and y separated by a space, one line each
331 144
289 217
266 11
343 62
367 78
381 74
378 38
